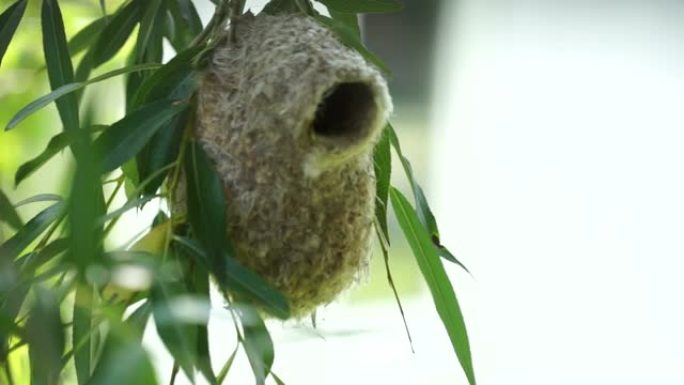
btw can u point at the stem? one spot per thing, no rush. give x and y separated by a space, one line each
119 183
385 254
220 14
237 8
49 233
174 373
187 132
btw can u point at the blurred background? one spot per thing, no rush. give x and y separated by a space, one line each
548 136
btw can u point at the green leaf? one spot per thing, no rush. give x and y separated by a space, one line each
9 21
382 161
241 280
115 34
9 327
427 219
86 36
175 332
127 137
257 343
199 285
351 20
362 6
350 38
277 379
185 23
66 90
40 198
56 144
8 214
424 212
33 228
161 151
152 11
32 261
82 325
59 68
130 204
175 79
226 367
46 338
437 280
123 361
86 204
279 7
446 254
206 204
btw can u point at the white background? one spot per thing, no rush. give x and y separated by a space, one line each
558 159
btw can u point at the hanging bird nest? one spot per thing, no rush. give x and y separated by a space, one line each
289 116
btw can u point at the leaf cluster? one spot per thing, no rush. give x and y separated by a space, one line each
59 296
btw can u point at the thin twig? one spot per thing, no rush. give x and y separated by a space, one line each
174 373
236 9
385 254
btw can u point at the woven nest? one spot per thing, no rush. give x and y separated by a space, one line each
290 115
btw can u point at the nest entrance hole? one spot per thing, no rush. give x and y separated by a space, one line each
346 112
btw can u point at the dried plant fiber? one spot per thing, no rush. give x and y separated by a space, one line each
290 115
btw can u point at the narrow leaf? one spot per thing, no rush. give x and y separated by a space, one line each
350 38
8 214
40 198
446 254
46 339
199 286
226 367
257 343
277 379
66 90
427 219
58 61
362 6
56 144
82 324
33 228
185 23
437 280
9 21
126 137
174 79
173 331
34 260
241 280
382 161
86 36
86 203
351 20
123 361
278 7
151 12
115 34
206 203
130 204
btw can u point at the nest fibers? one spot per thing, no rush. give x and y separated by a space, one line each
289 115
